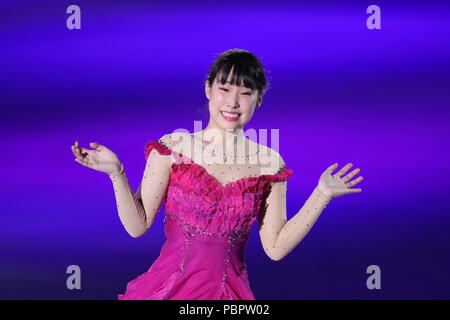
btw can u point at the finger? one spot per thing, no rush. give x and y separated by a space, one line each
83 162
74 151
86 152
76 146
331 168
78 153
355 190
351 175
97 146
354 182
86 160
83 153
343 170
81 149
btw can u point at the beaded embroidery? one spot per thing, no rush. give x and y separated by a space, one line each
189 228
202 206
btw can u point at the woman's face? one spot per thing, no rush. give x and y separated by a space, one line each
230 106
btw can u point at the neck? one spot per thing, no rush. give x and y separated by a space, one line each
229 137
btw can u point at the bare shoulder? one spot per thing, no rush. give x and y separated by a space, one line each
172 139
271 160
176 141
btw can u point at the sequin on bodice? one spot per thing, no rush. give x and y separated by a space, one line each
207 226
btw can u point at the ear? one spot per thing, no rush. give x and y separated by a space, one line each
207 90
259 102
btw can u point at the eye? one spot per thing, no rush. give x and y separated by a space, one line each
244 93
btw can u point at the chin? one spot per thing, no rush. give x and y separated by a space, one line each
228 126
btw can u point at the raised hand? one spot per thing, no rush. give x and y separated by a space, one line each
100 158
336 185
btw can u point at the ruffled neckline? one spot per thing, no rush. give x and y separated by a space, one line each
186 163
284 172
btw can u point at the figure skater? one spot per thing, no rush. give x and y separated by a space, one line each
215 183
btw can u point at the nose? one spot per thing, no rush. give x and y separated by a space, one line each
230 105
233 101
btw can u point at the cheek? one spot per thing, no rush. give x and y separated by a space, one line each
214 106
250 112
216 101
218 97
247 106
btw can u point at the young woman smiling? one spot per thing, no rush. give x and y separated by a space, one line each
215 183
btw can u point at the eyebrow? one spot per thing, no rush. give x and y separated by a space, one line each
246 87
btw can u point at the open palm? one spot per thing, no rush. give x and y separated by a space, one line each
336 185
100 158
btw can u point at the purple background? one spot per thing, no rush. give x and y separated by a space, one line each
135 71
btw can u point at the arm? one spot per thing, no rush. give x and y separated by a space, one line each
279 236
137 213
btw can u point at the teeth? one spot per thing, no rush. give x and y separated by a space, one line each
232 115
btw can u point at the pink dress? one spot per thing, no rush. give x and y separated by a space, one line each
207 227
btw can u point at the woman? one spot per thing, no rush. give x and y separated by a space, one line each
215 184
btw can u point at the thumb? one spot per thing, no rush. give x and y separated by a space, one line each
331 168
95 145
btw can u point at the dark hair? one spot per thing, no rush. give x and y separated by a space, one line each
247 69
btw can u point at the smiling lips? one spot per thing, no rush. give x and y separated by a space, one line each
230 116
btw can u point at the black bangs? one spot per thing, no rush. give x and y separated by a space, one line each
241 76
247 70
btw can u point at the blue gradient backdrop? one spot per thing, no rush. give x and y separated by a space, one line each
136 70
